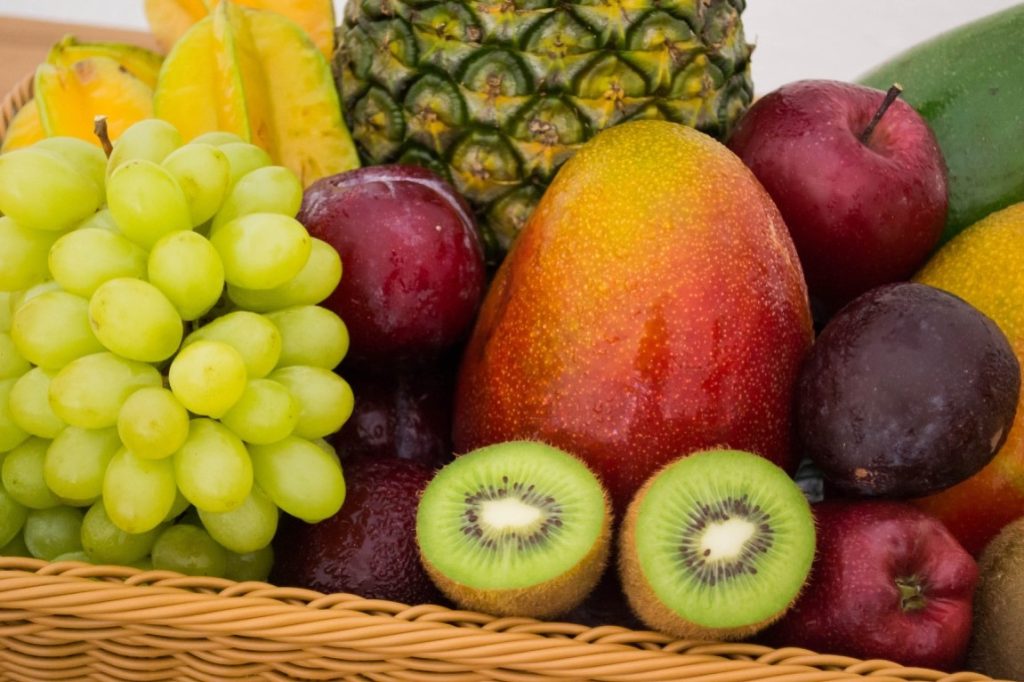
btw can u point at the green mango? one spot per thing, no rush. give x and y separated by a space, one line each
968 83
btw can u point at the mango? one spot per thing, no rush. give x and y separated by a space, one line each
256 74
983 266
652 306
968 84
169 20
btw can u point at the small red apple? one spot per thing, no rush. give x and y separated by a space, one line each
858 176
888 581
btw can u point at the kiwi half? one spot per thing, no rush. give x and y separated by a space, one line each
517 528
715 545
997 636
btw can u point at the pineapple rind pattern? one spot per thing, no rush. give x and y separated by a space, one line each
496 94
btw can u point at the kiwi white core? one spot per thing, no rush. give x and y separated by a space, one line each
509 513
726 540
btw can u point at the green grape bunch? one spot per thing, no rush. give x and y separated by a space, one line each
166 371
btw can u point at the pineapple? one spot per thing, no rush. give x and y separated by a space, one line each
495 95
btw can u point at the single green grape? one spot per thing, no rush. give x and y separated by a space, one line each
51 532
152 423
203 172
135 319
88 158
310 335
325 399
23 253
317 279
138 493
41 190
147 202
53 328
266 412
253 566
76 462
12 363
261 250
89 391
187 269
270 189
207 377
254 336
11 434
151 139
244 158
30 404
105 543
12 517
212 467
78 555
190 550
20 298
248 527
22 475
299 477
84 259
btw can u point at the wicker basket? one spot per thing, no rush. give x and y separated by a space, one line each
63 621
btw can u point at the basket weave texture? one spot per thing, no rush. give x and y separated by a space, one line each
70 621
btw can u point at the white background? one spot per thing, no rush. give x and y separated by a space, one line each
795 39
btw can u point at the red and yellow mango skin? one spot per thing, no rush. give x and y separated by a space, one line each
652 306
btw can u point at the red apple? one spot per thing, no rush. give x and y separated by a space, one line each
413 263
865 206
888 581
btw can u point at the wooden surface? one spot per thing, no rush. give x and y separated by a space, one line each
23 44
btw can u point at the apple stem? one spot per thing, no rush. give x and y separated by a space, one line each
890 97
99 128
911 597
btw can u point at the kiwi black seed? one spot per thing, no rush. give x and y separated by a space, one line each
997 636
516 528
715 545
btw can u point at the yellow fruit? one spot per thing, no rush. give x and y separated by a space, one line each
25 128
71 97
170 19
984 265
256 74
138 61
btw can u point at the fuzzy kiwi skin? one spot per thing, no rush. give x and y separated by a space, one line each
646 604
997 642
543 600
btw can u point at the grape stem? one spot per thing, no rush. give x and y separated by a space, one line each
99 127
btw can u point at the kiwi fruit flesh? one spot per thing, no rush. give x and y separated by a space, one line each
518 528
997 637
715 545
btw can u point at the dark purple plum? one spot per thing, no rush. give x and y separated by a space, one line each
413 265
369 547
908 391
406 414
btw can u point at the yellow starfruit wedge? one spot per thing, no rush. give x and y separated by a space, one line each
71 97
256 74
200 85
25 128
138 61
170 19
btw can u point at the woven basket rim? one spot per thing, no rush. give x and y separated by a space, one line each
14 100
314 629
